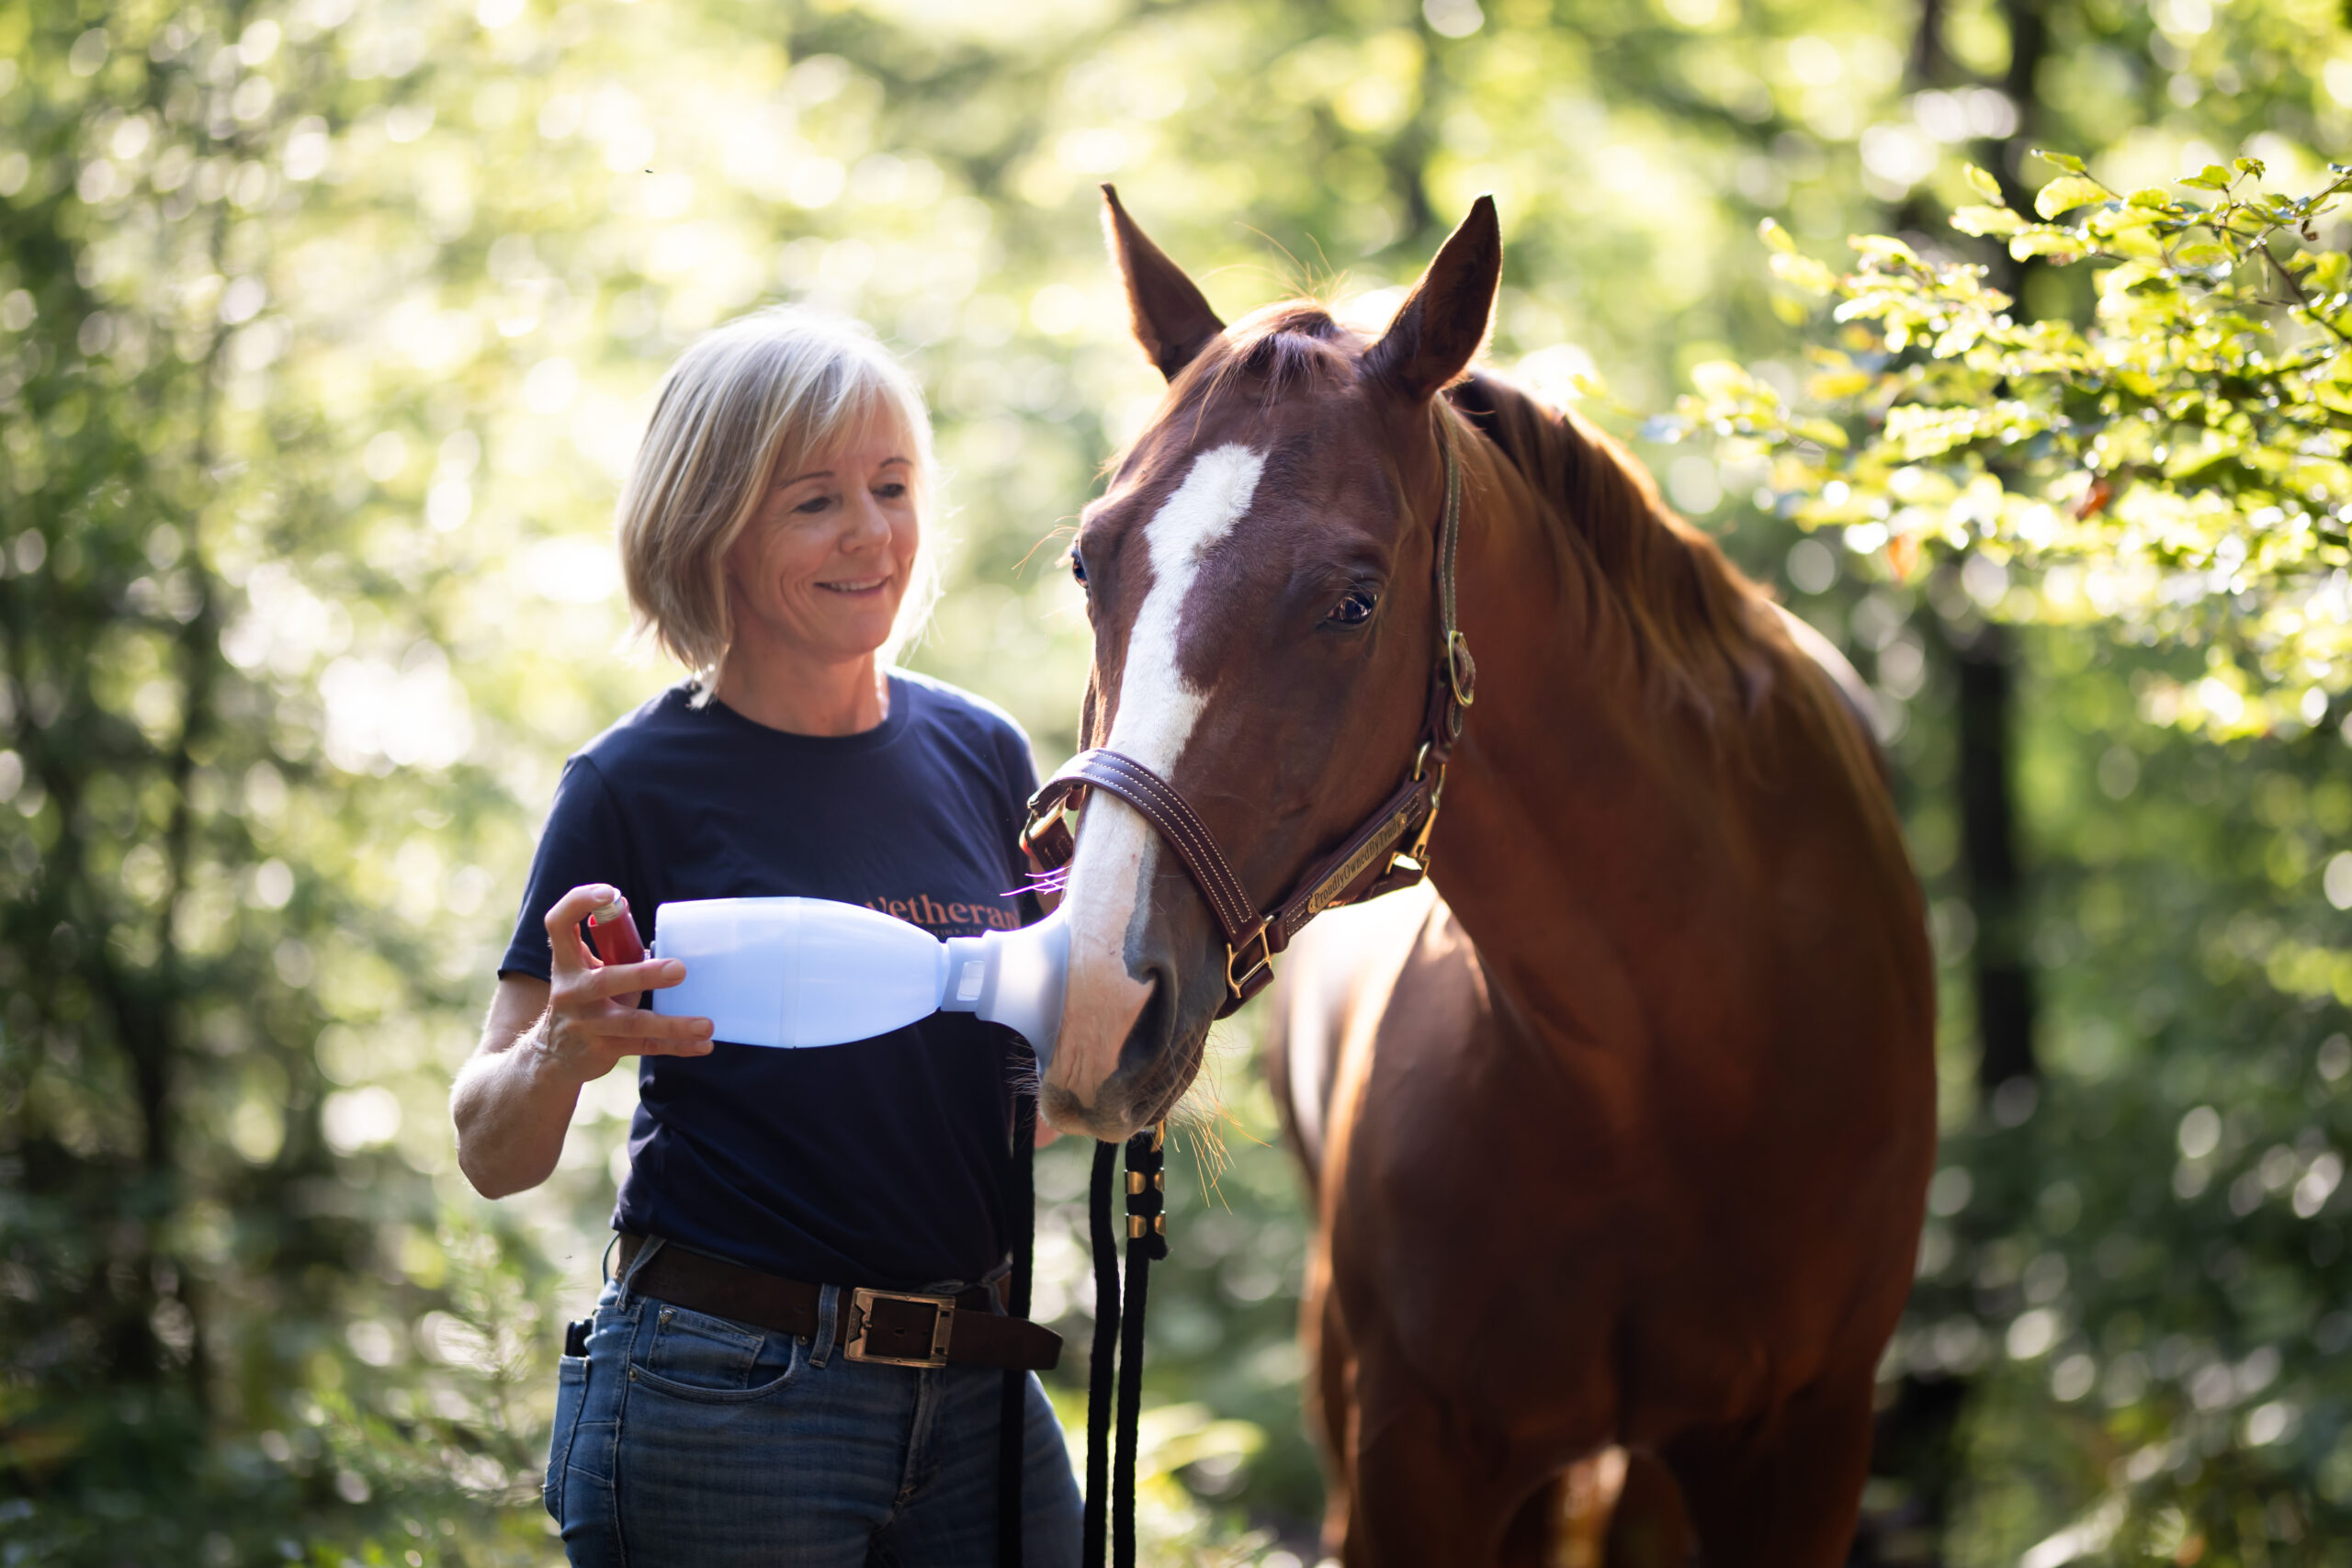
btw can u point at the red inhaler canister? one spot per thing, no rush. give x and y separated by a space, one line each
613 933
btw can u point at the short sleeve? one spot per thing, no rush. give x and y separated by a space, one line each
1018 771
585 840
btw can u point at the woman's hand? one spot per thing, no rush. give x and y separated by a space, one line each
514 1100
593 1018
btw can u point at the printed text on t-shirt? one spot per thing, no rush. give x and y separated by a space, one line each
923 909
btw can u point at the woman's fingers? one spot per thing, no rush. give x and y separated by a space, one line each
587 1048
653 975
696 1047
643 1034
638 1025
564 947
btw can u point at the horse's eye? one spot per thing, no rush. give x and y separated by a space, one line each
1078 568
1355 609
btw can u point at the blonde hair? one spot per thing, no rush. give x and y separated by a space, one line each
756 396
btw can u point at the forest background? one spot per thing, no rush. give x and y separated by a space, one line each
325 331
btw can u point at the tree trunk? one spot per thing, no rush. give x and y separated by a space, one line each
1913 1442
1984 662
2001 972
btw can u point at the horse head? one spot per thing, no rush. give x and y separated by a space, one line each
1261 577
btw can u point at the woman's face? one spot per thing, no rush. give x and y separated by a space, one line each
820 570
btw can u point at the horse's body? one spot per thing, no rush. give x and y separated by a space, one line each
1626 1141
1397 982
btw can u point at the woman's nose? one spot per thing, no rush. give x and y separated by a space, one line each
868 523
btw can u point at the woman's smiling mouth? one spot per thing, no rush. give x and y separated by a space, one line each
856 585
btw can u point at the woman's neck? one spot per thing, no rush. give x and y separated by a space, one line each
801 698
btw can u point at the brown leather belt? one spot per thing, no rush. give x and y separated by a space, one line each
899 1328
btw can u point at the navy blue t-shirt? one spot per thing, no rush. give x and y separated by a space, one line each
882 1163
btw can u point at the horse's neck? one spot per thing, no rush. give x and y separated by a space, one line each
1581 821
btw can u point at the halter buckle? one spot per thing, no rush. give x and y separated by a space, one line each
1461 670
1241 983
1420 854
1046 836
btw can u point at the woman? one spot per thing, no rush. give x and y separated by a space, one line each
742 1397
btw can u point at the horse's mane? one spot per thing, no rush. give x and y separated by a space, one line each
1690 618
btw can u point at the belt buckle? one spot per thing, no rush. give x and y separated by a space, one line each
943 1325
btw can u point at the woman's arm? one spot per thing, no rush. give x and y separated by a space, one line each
514 1097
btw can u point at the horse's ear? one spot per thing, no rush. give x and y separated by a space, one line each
1173 320
1442 321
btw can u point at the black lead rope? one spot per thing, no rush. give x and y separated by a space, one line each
1147 1240
1012 1412
1101 1361
1118 1326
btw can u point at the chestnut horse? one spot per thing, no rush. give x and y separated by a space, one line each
1627 1141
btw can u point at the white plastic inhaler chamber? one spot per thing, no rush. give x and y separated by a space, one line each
800 971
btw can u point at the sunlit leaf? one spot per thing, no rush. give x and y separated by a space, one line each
2132 240
1803 272
2067 192
1917 432
1723 379
1882 247
2058 246
1997 220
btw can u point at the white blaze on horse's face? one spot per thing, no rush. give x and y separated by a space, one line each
1110 880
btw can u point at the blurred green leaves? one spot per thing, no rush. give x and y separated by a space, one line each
2178 466
324 331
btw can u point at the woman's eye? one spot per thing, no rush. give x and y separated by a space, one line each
890 492
1355 609
813 505
1078 568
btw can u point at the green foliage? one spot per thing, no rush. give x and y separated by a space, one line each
2157 1362
2134 1264
323 332
2145 1272
2179 467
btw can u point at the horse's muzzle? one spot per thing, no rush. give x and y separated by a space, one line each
1157 1060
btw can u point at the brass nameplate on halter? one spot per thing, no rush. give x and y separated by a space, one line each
1381 843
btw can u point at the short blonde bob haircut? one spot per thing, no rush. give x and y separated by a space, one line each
754 397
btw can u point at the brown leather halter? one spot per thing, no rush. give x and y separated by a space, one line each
1389 852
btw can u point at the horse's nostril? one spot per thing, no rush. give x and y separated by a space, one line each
1149 1030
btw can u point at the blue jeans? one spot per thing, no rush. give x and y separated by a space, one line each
682 1438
